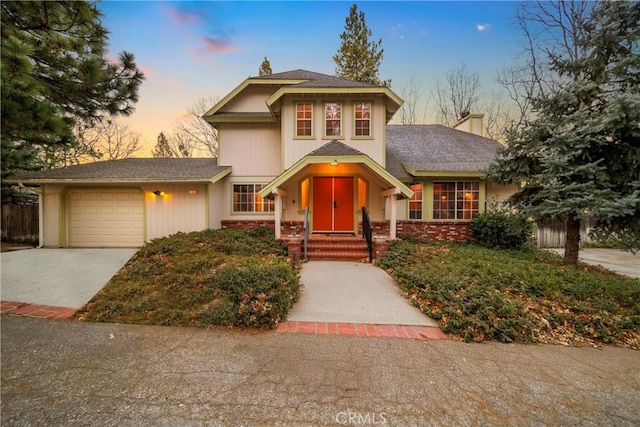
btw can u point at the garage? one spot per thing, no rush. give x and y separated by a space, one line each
105 217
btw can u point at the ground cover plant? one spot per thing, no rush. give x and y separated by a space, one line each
479 293
211 277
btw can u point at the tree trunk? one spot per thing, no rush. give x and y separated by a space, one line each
572 245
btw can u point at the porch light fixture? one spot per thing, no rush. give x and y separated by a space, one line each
192 192
159 193
334 163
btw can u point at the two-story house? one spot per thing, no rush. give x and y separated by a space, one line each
290 144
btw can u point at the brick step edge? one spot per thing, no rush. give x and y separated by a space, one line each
342 246
338 255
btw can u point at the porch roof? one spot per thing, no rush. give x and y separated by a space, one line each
337 151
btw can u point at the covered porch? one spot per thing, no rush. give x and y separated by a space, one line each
329 187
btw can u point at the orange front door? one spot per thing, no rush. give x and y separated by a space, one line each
333 204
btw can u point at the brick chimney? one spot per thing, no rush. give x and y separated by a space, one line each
471 123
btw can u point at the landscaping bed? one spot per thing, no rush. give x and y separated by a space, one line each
213 277
480 294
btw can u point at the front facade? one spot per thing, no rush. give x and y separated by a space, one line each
291 145
307 142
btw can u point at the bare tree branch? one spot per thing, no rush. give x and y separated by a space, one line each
411 92
458 95
194 133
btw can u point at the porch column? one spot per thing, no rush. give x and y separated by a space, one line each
392 195
279 194
394 217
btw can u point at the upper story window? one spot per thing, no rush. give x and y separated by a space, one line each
456 200
332 119
415 204
362 113
304 119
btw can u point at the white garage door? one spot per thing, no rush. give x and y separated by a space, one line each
105 218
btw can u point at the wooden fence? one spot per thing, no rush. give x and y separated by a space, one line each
20 223
554 236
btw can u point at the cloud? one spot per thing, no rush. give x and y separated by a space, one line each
216 45
183 17
482 27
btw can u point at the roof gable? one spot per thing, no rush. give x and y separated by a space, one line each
302 82
335 148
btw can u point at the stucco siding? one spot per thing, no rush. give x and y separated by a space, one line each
252 149
497 194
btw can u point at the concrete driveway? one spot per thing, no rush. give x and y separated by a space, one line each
58 277
616 260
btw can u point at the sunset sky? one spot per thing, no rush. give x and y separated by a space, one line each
189 50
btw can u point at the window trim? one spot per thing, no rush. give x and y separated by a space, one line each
353 123
480 192
295 121
421 201
324 120
265 202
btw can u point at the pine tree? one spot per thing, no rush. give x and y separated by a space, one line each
55 75
358 58
580 156
265 68
163 149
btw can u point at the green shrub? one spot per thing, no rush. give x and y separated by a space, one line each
501 229
262 294
211 277
480 294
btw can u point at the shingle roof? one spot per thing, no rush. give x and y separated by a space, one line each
132 170
335 148
314 79
436 148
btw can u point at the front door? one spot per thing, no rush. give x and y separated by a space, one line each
333 204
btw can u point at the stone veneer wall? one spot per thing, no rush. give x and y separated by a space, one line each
434 230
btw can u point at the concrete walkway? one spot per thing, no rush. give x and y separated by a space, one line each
616 260
355 293
58 277
74 373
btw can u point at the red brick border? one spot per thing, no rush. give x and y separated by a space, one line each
34 310
363 330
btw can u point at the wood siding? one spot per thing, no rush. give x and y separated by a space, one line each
554 236
250 100
177 211
252 149
297 148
